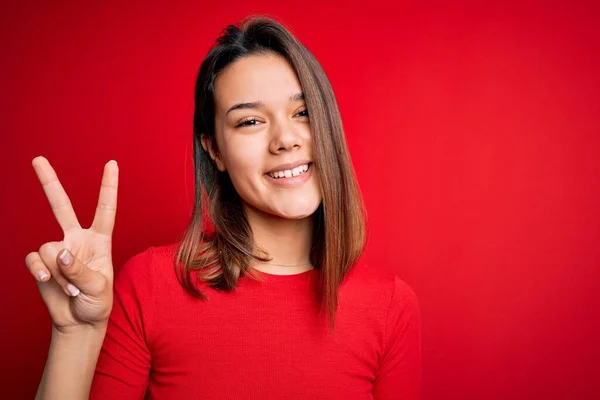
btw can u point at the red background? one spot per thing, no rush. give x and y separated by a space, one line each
474 132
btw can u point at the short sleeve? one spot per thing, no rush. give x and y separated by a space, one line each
124 362
399 373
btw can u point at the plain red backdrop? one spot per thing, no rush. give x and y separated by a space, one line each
474 129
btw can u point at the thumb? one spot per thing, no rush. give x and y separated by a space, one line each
78 274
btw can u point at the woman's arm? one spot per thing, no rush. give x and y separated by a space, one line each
125 360
75 280
399 374
71 363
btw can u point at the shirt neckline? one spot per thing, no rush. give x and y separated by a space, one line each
299 277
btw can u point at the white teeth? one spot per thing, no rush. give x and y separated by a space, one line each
288 173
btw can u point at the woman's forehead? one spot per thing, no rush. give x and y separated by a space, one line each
266 78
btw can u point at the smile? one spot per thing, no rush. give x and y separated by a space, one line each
289 173
291 177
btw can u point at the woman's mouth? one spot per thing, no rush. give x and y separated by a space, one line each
289 173
290 177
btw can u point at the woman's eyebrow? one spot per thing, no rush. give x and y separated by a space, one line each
241 106
297 97
258 104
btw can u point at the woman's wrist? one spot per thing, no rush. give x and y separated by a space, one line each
71 361
79 333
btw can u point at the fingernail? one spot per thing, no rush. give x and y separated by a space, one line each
42 275
72 290
65 257
113 161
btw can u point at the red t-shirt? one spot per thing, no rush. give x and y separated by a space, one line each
265 340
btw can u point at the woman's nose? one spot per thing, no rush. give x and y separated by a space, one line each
284 137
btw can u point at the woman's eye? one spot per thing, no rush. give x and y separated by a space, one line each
248 122
303 113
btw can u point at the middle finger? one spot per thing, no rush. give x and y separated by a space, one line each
59 201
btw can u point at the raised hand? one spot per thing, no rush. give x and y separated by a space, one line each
75 275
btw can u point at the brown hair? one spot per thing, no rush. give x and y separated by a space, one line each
221 253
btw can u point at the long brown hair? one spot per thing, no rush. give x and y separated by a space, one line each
218 245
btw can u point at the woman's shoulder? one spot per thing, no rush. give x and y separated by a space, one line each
376 282
151 262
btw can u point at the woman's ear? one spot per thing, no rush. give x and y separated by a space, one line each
207 145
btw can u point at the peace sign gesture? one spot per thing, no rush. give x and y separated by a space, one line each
75 275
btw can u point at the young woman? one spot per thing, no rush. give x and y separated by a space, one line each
264 297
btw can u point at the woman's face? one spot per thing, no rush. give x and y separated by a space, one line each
264 138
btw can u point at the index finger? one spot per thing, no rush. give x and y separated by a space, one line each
59 201
104 220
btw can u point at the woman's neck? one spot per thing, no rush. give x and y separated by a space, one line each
286 241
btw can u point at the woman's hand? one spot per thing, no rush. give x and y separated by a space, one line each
75 275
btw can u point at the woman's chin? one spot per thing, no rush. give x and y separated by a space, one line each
295 212
294 215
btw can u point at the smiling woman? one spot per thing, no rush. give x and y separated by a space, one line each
272 135
264 104
264 296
